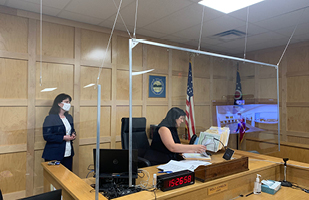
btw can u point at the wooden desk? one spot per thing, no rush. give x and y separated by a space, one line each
72 186
234 185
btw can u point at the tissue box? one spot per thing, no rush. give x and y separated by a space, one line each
270 186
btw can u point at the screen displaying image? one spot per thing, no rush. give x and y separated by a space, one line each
258 117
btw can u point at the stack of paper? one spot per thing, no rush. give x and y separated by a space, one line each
176 166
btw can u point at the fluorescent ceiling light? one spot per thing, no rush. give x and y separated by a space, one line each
48 89
89 85
228 6
141 72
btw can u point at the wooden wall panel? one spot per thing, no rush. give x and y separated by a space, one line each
202 118
86 158
13 125
268 88
54 75
180 60
40 115
179 91
155 114
13 33
297 58
245 69
247 87
157 58
89 75
13 79
297 89
123 86
38 172
88 122
201 67
57 40
93 46
201 90
13 172
123 111
220 67
267 72
123 54
298 119
220 90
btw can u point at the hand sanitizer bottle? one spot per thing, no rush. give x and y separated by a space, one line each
257 185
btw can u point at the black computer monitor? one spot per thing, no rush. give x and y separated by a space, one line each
52 195
115 161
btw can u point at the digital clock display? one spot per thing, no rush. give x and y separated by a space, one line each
175 180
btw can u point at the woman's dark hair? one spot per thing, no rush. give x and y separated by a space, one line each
171 116
55 109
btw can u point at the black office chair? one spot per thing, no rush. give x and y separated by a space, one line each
1 197
139 138
51 195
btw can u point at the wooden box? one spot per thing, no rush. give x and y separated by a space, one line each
221 169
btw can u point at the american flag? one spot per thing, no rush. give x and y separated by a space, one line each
190 121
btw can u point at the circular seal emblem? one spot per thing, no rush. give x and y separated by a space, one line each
157 86
238 94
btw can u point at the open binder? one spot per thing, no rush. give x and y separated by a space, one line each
211 138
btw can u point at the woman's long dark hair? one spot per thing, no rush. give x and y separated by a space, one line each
55 109
171 116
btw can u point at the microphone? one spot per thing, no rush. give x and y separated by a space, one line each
284 182
228 152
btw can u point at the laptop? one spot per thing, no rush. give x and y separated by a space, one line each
115 163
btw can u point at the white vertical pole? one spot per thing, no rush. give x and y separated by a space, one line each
278 111
97 172
130 112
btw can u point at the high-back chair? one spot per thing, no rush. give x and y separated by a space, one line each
139 138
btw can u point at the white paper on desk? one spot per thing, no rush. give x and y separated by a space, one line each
176 166
195 163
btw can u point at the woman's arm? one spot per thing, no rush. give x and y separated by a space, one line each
167 139
48 131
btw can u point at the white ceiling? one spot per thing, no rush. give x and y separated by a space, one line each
270 23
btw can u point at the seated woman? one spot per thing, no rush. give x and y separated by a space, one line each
165 144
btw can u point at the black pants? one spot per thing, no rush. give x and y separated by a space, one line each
66 161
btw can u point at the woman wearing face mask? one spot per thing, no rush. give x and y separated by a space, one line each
58 131
166 144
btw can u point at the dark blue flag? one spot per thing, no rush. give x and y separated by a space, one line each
238 93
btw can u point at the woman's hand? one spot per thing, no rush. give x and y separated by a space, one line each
69 137
199 148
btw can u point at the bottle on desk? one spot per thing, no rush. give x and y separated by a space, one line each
257 185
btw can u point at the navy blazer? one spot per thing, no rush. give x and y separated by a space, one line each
53 132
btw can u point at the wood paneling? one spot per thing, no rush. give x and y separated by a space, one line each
179 91
13 33
40 114
13 172
297 58
297 90
123 86
57 40
155 114
13 79
89 75
180 60
123 54
93 46
298 119
202 118
268 88
54 76
202 66
201 90
157 58
88 122
38 170
13 125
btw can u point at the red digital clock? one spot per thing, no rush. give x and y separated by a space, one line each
175 180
